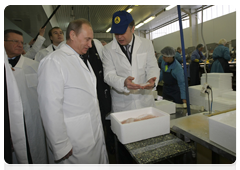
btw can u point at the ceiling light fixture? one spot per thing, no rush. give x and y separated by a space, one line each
129 10
108 29
149 19
139 25
170 7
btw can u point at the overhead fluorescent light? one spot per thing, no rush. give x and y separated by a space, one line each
139 25
108 29
170 7
129 10
149 19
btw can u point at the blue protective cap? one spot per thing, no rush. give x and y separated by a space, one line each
120 22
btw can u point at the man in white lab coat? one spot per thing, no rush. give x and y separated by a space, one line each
132 73
30 52
25 73
56 36
130 67
68 100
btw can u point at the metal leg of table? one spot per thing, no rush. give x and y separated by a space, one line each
116 148
215 158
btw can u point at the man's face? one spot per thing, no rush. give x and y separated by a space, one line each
83 41
57 36
125 39
168 59
200 49
15 48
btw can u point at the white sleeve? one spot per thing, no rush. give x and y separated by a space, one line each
152 68
50 97
39 56
110 74
35 48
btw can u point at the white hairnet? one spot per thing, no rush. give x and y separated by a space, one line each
222 41
168 52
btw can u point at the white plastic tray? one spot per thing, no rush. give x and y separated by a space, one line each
136 131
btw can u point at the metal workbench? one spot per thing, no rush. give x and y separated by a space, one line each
196 128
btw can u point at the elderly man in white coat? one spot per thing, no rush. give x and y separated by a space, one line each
25 73
68 100
130 66
57 37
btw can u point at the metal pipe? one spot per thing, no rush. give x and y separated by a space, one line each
48 20
204 47
184 59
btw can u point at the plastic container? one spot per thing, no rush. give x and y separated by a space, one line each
166 106
222 130
136 131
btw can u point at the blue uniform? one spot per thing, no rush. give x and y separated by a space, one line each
220 52
177 72
160 60
178 57
196 55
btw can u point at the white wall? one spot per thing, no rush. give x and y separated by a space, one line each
213 31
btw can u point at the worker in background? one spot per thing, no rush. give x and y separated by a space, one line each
173 77
196 58
56 36
25 73
130 68
160 59
69 106
36 46
94 56
221 56
103 42
178 56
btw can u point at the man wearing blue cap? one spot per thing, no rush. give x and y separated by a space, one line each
130 66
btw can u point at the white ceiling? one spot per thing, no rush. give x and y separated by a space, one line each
31 17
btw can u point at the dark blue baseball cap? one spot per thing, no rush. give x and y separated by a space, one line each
120 22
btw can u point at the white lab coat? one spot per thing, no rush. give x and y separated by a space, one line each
44 52
35 48
15 115
69 108
117 68
26 76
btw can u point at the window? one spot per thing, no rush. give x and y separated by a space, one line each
215 11
208 14
169 28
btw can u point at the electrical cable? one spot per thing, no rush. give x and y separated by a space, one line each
208 102
212 98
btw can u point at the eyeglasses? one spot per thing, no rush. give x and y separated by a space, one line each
15 41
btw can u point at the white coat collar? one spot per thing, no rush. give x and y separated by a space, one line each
49 48
70 51
115 45
20 62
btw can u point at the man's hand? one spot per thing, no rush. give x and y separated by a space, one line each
68 155
42 31
184 100
130 85
151 83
